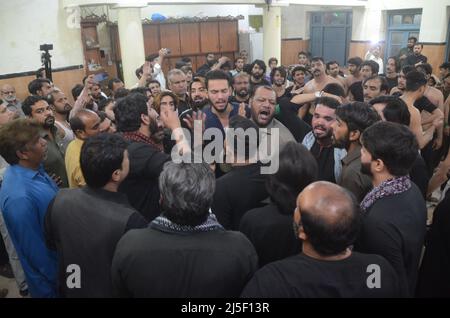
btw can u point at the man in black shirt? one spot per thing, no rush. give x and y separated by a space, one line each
394 212
326 219
243 188
184 252
138 126
391 75
258 69
85 224
416 58
319 141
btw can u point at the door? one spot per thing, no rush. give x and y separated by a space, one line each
228 36
209 35
401 25
330 35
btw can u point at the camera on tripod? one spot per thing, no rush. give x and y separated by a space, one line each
46 59
46 47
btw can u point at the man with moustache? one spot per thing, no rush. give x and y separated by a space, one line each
353 64
84 124
320 78
367 69
238 66
320 143
333 70
298 75
8 94
278 78
351 121
258 69
198 93
139 126
61 109
241 87
392 68
37 107
387 155
407 51
40 86
374 86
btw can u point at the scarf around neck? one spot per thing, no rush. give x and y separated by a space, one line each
139 137
163 224
387 188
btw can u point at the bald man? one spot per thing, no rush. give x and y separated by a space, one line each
8 94
85 123
326 219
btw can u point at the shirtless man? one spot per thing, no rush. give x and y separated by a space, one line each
354 70
415 88
333 71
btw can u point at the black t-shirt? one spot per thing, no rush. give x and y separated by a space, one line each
301 276
357 91
424 103
141 184
434 275
392 82
264 224
325 160
232 99
238 191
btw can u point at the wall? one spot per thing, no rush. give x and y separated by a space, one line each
25 25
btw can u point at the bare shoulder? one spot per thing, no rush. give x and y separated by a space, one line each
309 87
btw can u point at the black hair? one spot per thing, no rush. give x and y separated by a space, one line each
112 81
100 156
76 123
217 75
179 64
413 38
141 90
280 69
186 59
121 92
415 80
36 85
273 59
384 86
318 58
307 54
128 111
418 43
396 61
374 66
151 57
355 61
331 63
327 101
357 116
299 68
392 143
29 102
395 109
260 63
408 68
426 67
76 91
335 89
139 71
445 65
297 169
153 82
103 103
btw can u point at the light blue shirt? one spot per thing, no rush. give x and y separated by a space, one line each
24 197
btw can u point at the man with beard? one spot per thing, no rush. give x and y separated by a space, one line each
278 80
84 124
392 69
198 93
37 107
416 58
82 96
367 69
11 101
258 69
138 124
373 87
61 109
321 79
40 86
407 51
319 141
238 66
211 64
351 120
333 70
96 93
354 64
387 155
241 87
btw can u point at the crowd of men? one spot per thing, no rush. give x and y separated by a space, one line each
93 203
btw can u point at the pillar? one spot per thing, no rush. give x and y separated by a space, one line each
272 32
131 42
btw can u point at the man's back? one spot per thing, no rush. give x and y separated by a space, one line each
84 226
394 227
306 277
155 263
240 190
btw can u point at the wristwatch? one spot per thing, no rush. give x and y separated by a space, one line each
318 94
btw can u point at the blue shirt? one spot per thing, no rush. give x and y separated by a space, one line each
213 121
24 197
